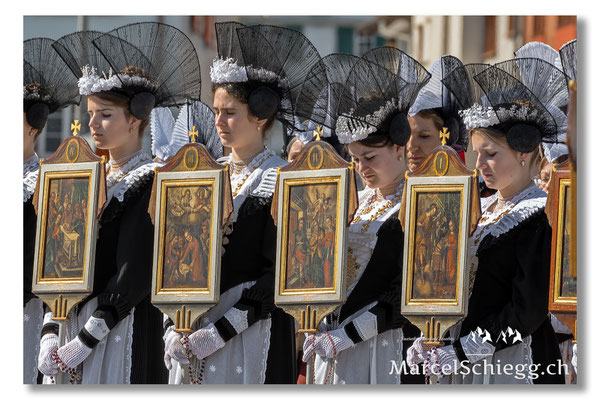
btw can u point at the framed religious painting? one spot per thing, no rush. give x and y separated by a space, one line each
313 203
69 196
441 208
563 272
191 202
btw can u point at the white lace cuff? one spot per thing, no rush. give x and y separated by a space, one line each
237 318
97 328
476 347
366 325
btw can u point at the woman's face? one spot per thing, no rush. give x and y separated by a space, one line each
378 167
236 127
424 137
109 126
499 165
28 138
545 175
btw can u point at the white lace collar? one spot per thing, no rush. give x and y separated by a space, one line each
119 182
258 177
31 169
511 214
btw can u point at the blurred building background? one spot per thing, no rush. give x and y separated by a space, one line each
487 39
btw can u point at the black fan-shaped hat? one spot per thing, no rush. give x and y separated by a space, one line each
319 96
369 105
166 55
568 59
273 60
524 117
48 84
376 97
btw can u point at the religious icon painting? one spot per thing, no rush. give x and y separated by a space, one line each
312 214
69 194
436 243
189 206
188 232
563 279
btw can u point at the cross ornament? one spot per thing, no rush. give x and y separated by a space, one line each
193 134
318 132
444 135
75 127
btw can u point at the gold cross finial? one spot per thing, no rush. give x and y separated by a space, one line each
444 135
75 127
193 134
318 132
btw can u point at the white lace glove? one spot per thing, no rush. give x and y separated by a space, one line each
174 348
204 341
574 358
48 345
73 353
308 349
417 353
329 344
444 361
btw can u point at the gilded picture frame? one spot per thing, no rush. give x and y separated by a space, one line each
66 226
188 237
438 222
311 256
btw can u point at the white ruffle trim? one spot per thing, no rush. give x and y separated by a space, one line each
478 117
227 71
137 168
261 181
31 169
347 134
90 82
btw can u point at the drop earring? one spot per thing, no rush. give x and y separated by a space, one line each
522 163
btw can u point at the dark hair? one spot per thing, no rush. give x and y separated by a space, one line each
377 140
121 101
433 115
241 92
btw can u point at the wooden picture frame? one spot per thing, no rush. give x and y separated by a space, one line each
435 277
317 169
321 241
190 204
562 297
439 212
69 197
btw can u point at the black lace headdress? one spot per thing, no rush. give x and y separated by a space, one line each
568 59
151 64
272 60
319 96
436 97
524 112
48 85
380 89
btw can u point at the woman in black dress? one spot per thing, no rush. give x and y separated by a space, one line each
507 323
48 86
245 338
114 335
358 342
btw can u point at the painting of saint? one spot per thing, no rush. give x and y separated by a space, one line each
311 244
436 245
568 287
187 243
65 234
